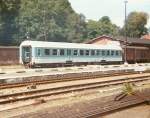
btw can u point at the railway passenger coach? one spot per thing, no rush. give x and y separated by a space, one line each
40 53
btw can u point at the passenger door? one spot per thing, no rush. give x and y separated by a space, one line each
26 54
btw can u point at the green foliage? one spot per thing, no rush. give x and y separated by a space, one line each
101 27
92 29
8 27
128 89
35 18
55 18
149 30
136 22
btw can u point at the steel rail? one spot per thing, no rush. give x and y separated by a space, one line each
65 89
91 109
63 78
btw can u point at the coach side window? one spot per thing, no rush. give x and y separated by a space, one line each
68 52
98 52
103 52
39 52
54 52
117 53
108 52
112 53
93 52
47 51
62 52
120 53
81 52
75 52
87 52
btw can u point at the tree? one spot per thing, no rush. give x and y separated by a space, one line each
9 11
107 27
149 30
136 22
55 18
102 27
105 19
37 19
92 29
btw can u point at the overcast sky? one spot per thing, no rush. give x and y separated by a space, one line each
95 9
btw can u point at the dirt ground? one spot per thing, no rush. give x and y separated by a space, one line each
7 67
141 111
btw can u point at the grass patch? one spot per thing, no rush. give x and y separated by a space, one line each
54 69
80 68
68 68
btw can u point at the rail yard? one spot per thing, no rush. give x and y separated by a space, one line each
97 89
74 59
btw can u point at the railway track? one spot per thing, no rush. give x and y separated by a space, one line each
66 77
8 98
91 109
99 109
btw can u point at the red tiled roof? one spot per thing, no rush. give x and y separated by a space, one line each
130 40
146 37
98 38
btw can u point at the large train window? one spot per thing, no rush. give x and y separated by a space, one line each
62 52
81 52
47 51
108 52
39 52
103 52
98 52
117 53
112 53
54 52
92 52
75 52
120 53
68 52
87 52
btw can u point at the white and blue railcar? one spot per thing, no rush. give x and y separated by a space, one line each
41 53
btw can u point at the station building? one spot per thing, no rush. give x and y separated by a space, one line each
9 55
137 49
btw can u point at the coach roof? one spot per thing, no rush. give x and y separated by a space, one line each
114 45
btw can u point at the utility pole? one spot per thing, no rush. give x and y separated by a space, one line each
125 48
44 22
